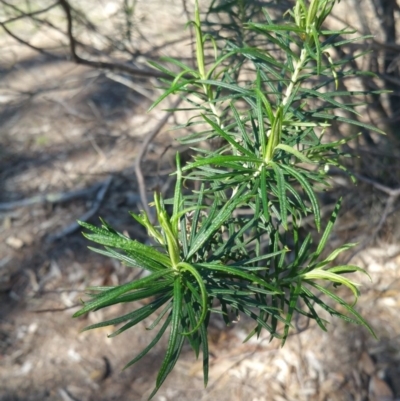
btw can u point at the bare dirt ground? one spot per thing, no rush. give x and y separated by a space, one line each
65 128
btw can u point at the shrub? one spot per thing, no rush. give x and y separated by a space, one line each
268 95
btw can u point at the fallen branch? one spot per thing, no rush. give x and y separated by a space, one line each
55 197
93 210
393 194
389 191
56 309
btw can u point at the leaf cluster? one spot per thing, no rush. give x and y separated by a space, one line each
235 246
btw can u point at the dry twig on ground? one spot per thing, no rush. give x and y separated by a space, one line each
57 197
90 213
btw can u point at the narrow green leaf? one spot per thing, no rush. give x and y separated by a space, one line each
267 105
309 191
109 295
253 52
176 352
321 303
151 345
327 232
173 89
348 269
206 359
276 28
134 317
222 160
141 314
177 204
349 308
104 237
295 153
334 254
264 193
328 97
314 314
155 289
303 251
174 333
131 260
161 315
239 273
221 84
204 297
178 63
241 125
319 274
162 68
280 181
228 138
295 291
218 220
195 221
189 313
242 307
260 116
263 257
327 116
276 41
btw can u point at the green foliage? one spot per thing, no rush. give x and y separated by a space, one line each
269 97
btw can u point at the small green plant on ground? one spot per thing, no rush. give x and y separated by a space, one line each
269 103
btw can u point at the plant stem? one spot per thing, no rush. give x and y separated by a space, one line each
275 136
298 67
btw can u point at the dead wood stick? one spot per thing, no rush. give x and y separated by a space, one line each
393 194
86 216
24 42
56 309
23 14
111 66
114 66
377 185
386 212
383 188
55 197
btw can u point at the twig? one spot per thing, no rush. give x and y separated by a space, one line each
192 41
66 395
56 197
389 204
128 83
142 151
56 309
96 204
25 15
383 188
69 110
393 195
25 43
47 23
112 66
101 64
